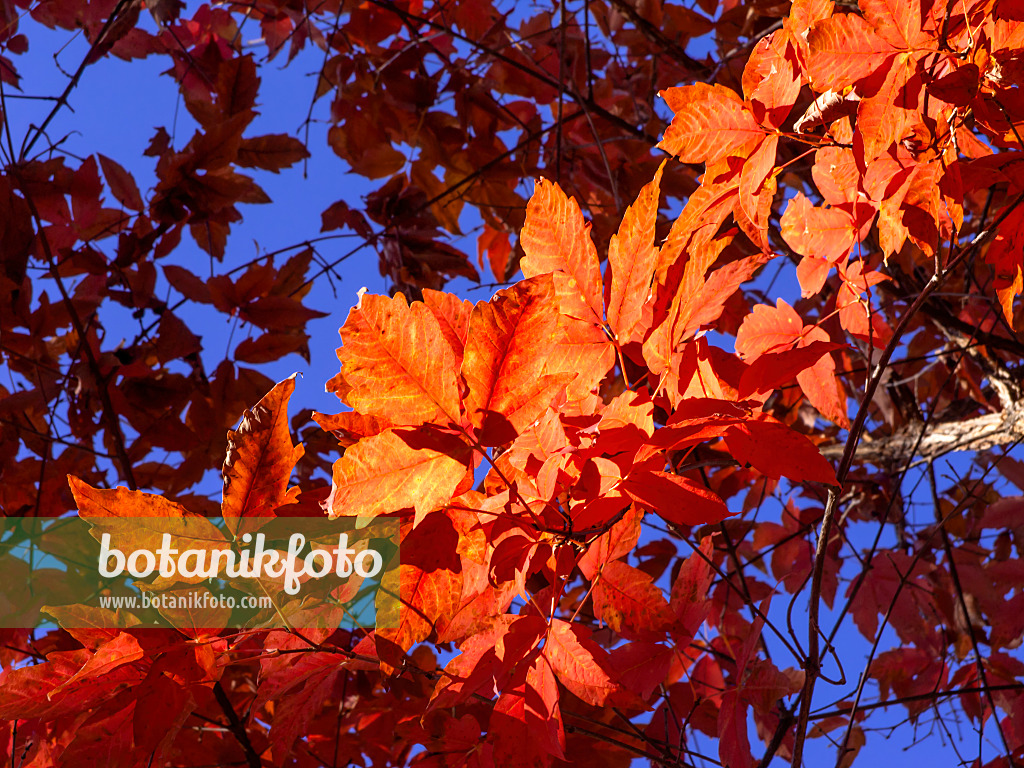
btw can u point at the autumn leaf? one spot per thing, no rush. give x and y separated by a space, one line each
555 238
778 451
627 600
579 663
121 183
773 369
822 233
710 123
272 152
843 50
675 498
397 363
398 469
631 261
780 330
430 581
510 339
260 459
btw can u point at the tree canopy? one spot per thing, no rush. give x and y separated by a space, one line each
721 473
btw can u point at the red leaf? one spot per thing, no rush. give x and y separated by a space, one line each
772 370
677 499
689 597
777 451
260 459
271 152
628 601
641 666
121 184
580 664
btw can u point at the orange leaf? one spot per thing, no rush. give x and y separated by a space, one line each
452 315
495 244
631 260
138 520
826 233
397 363
350 427
711 122
898 22
260 459
843 50
770 81
398 470
510 339
756 170
691 298
555 238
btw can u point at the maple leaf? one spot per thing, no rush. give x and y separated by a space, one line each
778 451
430 582
710 123
675 498
690 589
631 261
776 330
260 459
507 348
396 362
843 50
627 600
580 664
555 238
396 470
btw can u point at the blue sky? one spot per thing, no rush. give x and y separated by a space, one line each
116 109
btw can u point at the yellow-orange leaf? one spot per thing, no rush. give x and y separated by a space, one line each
510 338
555 238
396 470
631 259
397 363
711 122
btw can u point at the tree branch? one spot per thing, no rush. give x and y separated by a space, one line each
938 439
236 726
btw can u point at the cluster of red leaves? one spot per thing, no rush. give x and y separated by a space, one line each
548 450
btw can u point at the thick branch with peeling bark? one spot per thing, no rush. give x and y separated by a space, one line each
977 434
